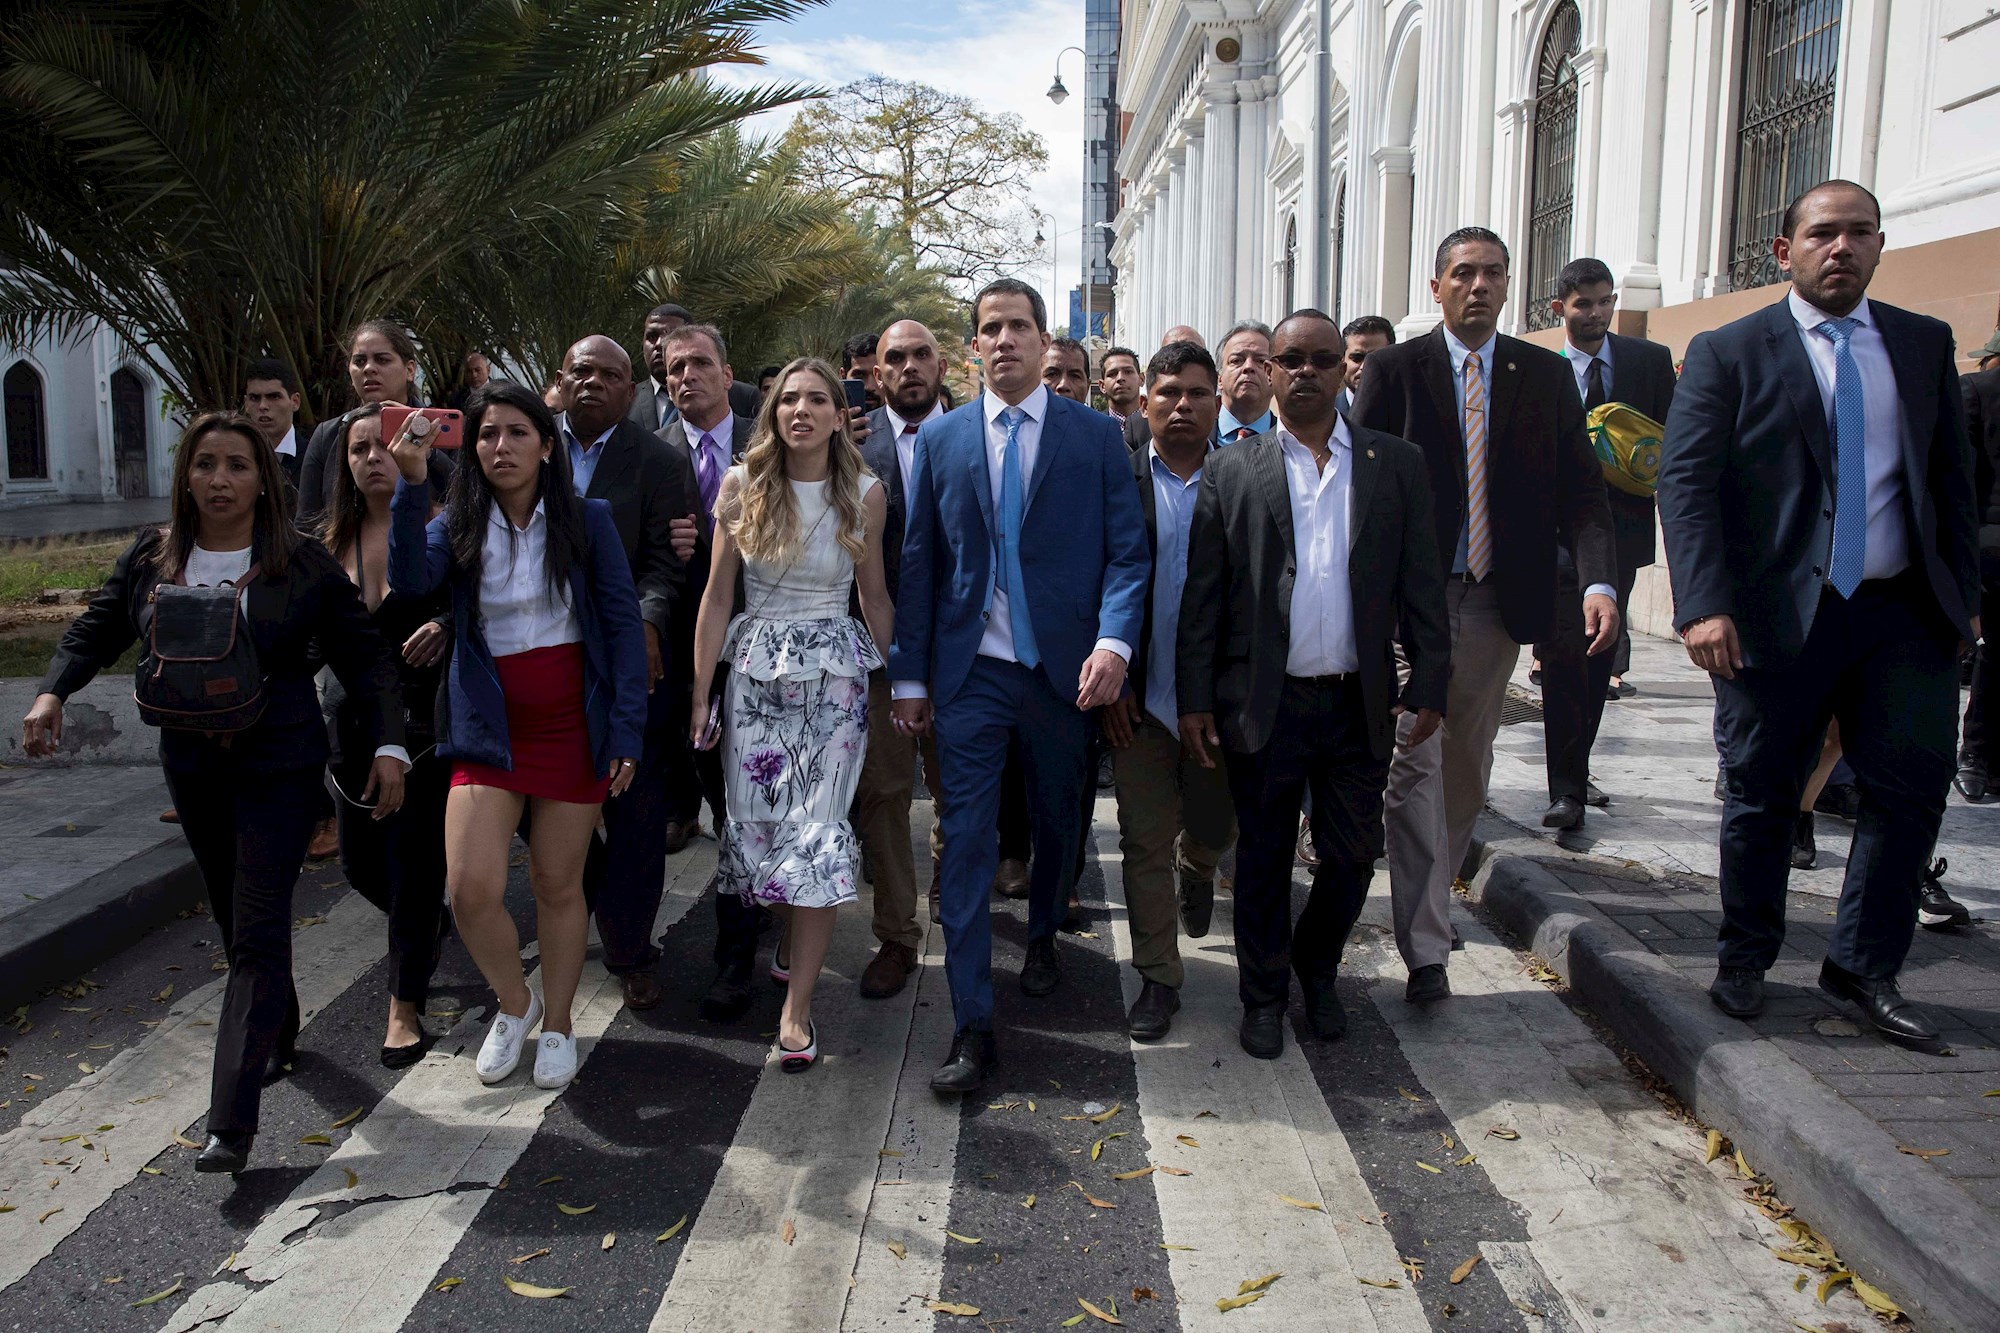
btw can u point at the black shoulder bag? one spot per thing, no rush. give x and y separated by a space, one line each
199 669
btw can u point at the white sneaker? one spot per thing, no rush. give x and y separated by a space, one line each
502 1048
555 1060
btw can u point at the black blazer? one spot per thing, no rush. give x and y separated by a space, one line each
1142 472
1981 391
676 438
648 483
1747 481
1642 376
878 451
1542 477
309 617
1138 431
319 471
645 411
1236 611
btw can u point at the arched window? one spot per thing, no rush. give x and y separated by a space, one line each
1554 198
1339 247
1784 123
128 433
27 425
1291 264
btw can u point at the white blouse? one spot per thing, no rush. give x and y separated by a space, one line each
516 612
212 569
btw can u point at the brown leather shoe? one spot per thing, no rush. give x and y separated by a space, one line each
1011 879
641 989
170 816
325 841
887 971
678 835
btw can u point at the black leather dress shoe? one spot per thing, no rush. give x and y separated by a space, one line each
1805 852
1594 796
1427 985
1738 991
678 835
1971 781
280 1064
1324 1012
972 1058
1153 1012
224 1154
1880 1003
1842 800
1041 972
1565 812
728 996
1263 1031
1197 904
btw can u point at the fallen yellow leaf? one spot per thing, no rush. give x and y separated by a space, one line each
1175 1171
1028 1202
1464 1270
610 1239
1743 1167
1140 1174
1387 1282
187 1142
1829 1283
897 1248
1228 1303
958 1308
1502 1132
531 1254
532 1291
1087 1198
1103 1116
1301 1203
1925 1153
963 1240
166 993
671 1231
352 1179
152 1170
1178 1247
547 1180
888 1152
574 1211
1875 1298
1074 1320
317 1140
1096 1313
1407 1094
46 1216
788 1232
1467 1160
1250 1284
350 1117
1187 1140
448 1284
1714 1146
1434 1170
159 1296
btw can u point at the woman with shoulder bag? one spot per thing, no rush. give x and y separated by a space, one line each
544 700
395 863
234 610
802 518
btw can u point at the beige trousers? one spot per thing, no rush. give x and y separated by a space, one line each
1166 800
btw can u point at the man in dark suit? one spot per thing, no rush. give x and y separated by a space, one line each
711 437
1817 500
1575 684
1136 430
271 401
1311 554
653 406
647 484
1174 815
1020 596
1511 470
1981 390
910 374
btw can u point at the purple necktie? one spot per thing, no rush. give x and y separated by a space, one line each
708 475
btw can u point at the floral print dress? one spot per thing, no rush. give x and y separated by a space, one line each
795 721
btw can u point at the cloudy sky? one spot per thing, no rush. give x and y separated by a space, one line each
1000 55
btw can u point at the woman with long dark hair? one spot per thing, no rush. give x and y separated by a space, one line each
802 518
395 863
545 699
245 798
381 368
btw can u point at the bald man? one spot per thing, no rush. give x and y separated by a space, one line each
646 483
1183 333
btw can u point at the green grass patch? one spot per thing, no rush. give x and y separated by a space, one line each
27 571
26 652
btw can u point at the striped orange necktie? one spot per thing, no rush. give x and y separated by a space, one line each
1478 531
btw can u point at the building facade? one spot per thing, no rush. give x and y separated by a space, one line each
84 421
1662 136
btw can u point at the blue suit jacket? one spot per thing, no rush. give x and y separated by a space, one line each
1083 548
473 723
1747 480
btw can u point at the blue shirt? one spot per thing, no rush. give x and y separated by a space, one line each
1579 362
1173 515
583 459
1227 425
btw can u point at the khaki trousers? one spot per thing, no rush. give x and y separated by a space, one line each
1166 801
882 816
1437 790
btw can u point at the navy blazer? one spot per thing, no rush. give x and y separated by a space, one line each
473 723
1083 548
1747 481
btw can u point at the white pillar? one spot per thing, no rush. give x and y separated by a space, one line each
1223 204
1365 119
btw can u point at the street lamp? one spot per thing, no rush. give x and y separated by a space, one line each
1057 93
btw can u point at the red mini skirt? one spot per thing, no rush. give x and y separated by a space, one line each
548 736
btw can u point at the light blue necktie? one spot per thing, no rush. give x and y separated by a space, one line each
1010 540
1850 461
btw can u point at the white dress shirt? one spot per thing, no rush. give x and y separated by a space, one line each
906 439
1579 362
515 610
289 446
1888 549
1322 635
998 640
664 411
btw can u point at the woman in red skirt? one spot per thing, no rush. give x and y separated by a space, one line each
545 700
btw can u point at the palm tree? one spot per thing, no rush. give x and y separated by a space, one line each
219 179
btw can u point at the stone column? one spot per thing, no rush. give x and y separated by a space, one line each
1223 202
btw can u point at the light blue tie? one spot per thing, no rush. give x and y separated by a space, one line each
1850 461
1009 573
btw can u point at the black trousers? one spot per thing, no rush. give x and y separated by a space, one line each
398 864
1884 664
625 872
248 832
1977 743
1318 744
693 776
1574 685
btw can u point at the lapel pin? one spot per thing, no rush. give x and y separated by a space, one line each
1510 365
1371 453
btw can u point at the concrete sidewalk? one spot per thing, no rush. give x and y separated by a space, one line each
30 523
1893 1155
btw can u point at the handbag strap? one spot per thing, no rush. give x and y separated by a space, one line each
772 591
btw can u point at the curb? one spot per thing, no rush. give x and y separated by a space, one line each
1892 1218
61 939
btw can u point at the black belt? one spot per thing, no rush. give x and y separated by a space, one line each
1465 576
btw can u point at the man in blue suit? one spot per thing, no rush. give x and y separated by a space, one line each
1816 496
1021 595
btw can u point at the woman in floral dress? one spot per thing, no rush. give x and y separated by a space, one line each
802 518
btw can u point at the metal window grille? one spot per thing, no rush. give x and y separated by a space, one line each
1554 198
1339 245
1291 264
1784 128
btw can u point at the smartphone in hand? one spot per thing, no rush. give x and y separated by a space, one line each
450 423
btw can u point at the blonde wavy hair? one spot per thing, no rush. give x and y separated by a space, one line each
764 519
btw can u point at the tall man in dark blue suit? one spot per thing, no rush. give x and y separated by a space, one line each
1816 496
1021 596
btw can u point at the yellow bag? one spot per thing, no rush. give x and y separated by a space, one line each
1628 447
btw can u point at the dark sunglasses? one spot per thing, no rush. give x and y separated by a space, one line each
1296 361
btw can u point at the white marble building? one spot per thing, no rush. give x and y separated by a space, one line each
1662 136
83 421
